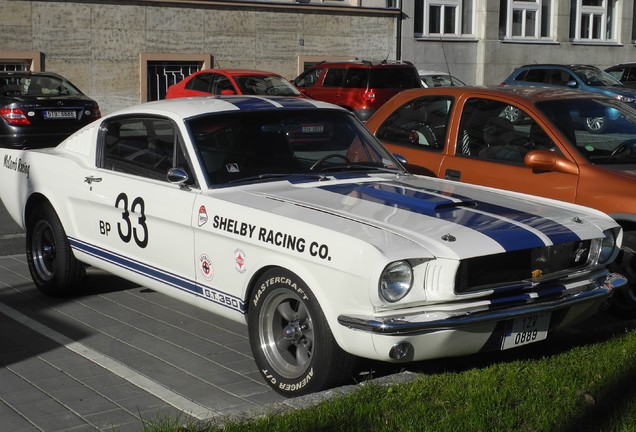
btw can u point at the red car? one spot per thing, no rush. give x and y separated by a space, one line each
232 82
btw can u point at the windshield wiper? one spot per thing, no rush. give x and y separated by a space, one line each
269 176
357 167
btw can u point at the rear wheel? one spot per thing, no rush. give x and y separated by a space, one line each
53 267
290 338
624 299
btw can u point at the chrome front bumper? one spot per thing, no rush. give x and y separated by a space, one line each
421 323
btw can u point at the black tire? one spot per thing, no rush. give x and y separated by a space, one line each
290 338
53 267
624 299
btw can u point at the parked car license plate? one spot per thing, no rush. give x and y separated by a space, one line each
526 329
66 114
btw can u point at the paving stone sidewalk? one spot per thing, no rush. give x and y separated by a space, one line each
118 356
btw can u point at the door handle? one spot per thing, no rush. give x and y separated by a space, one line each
451 174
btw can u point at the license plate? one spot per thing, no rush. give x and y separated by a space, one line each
51 115
525 330
313 129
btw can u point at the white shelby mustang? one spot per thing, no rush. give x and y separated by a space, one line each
286 214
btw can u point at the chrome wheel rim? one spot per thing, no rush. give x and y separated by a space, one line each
286 333
595 123
43 250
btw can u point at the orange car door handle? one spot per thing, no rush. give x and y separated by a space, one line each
452 174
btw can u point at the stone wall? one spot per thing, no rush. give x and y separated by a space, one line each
97 45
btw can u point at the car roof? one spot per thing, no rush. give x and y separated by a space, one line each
364 63
431 72
193 106
237 72
528 93
552 65
29 73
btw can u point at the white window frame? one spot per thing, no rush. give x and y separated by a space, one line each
444 5
592 12
527 7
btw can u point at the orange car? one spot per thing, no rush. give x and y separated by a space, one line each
232 82
530 140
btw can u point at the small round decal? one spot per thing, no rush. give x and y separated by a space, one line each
206 267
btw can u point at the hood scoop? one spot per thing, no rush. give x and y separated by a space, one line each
416 200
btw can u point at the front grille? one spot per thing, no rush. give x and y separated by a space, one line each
510 268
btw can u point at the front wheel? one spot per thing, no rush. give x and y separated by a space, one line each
624 299
53 267
290 338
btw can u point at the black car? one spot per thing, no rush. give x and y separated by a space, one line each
40 109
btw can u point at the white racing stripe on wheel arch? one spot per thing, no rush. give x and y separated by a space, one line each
176 400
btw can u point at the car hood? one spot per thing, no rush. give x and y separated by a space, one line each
448 219
619 90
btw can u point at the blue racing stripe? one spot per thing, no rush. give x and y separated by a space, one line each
153 273
295 102
250 104
455 209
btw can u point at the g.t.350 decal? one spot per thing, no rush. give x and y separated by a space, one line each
127 229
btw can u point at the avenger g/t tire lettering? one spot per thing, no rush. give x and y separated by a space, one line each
290 338
53 267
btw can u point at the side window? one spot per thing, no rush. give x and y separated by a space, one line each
619 72
560 77
495 131
202 82
334 77
145 147
422 124
220 83
356 78
535 75
308 78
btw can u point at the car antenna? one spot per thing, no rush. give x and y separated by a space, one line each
450 76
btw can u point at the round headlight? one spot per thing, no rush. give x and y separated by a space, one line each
396 281
607 247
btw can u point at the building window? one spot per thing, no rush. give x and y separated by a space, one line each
528 19
593 21
20 61
448 18
160 71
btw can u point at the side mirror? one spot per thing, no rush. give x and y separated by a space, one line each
401 159
227 92
178 176
572 84
546 160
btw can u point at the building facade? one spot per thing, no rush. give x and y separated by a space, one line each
122 53
481 41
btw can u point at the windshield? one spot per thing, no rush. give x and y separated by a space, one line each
595 77
36 86
260 145
601 129
263 85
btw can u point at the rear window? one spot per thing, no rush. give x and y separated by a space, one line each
36 86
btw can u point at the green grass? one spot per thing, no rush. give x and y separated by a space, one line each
565 385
